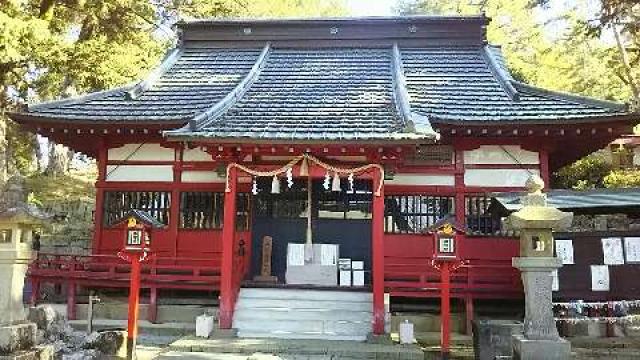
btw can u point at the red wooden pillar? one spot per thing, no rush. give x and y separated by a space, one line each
227 291
152 310
35 291
134 300
71 300
445 311
377 239
99 209
174 211
543 156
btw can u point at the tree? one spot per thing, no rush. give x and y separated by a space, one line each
52 48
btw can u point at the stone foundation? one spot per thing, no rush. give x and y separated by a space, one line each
17 337
38 353
525 349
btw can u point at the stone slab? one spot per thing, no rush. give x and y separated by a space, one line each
331 349
525 349
45 352
17 337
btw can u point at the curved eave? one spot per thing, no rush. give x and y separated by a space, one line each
34 119
572 120
400 138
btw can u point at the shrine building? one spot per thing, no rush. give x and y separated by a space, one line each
271 147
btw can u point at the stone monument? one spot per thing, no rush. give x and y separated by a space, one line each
536 263
17 222
265 270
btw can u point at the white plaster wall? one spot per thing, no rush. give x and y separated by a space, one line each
140 173
494 154
202 177
421 179
147 152
195 155
497 177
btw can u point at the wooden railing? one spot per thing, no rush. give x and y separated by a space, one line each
111 271
415 277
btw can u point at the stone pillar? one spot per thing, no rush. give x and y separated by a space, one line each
536 222
17 221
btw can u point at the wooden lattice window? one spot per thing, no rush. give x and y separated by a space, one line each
479 220
205 210
118 203
411 214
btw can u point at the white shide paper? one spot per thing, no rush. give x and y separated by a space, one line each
295 254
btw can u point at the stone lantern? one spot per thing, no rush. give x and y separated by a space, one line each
18 220
536 222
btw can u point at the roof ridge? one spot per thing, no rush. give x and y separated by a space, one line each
80 98
403 100
214 112
499 73
170 58
563 96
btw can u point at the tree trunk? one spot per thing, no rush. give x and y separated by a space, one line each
4 156
59 159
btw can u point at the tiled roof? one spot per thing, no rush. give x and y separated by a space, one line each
456 84
378 79
580 201
197 80
315 94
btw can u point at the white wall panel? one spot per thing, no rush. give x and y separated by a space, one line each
421 179
140 173
147 152
494 154
202 177
497 177
196 155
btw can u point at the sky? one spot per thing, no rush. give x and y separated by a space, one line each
371 7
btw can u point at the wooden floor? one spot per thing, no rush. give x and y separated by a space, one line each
263 285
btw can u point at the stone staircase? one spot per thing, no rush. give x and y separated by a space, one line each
303 314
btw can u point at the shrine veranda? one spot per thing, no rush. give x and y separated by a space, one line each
417 117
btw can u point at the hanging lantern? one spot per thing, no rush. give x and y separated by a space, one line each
304 167
327 181
336 183
275 185
352 189
289 178
254 187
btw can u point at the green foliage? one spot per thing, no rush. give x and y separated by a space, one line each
586 173
622 179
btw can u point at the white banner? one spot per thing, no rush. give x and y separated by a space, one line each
599 278
612 251
564 251
632 249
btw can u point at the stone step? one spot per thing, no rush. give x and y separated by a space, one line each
298 348
299 294
427 322
336 304
302 314
361 328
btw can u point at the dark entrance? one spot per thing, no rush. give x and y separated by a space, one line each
342 218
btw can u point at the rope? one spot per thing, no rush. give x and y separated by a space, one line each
297 159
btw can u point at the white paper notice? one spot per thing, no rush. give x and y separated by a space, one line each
328 254
599 278
295 255
632 249
556 283
564 251
612 251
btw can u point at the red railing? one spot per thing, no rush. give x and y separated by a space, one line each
488 279
111 271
